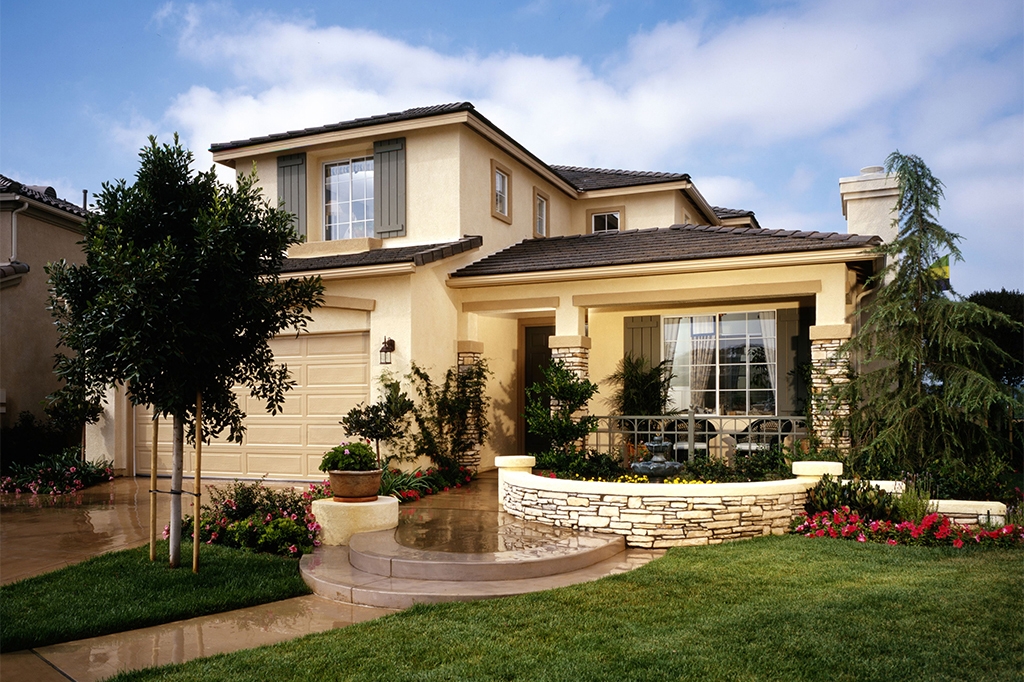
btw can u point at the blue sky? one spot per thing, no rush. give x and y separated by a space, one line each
765 104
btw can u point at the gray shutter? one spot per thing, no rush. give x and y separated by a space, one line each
389 188
643 337
291 188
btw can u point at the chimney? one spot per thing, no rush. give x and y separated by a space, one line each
869 202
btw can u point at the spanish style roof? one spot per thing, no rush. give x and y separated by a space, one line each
407 115
418 255
723 213
655 245
585 179
11 268
44 195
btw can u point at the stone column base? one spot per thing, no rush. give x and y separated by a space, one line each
339 521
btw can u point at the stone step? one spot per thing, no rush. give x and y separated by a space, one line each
330 574
521 552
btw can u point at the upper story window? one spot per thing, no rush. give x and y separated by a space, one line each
540 213
501 192
348 199
605 221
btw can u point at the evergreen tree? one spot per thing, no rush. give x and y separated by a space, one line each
179 297
924 394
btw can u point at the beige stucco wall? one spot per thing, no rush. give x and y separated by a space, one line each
29 339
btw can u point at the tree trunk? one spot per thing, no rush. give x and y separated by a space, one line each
176 466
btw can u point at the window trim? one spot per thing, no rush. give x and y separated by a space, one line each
538 194
591 212
323 196
497 167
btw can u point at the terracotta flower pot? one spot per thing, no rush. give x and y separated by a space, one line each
355 486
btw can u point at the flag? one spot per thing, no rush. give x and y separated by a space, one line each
940 271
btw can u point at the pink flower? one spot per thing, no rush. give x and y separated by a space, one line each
891 541
861 538
958 543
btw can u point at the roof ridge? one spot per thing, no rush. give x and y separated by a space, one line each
619 171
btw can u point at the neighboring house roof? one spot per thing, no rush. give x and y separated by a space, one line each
656 245
418 255
732 212
44 195
586 179
407 115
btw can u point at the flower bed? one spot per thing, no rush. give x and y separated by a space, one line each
58 474
934 530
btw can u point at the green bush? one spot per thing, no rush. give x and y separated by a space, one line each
58 474
354 456
860 496
578 463
914 503
283 536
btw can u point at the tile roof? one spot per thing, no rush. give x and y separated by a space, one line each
584 179
732 212
44 195
407 115
655 245
419 255
11 268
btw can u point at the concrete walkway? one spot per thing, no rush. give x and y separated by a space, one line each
41 534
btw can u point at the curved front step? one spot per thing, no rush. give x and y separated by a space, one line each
528 556
329 574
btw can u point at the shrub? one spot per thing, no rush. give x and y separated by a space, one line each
914 503
858 495
451 418
57 474
250 515
578 463
349 457
29 440
386 420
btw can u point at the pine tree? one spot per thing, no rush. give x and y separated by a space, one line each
924 393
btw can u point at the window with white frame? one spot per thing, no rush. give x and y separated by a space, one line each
723 364
605 222
348 199
500 192
540 214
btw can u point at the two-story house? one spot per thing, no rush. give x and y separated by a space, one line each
440 239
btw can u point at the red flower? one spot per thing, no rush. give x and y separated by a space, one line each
958 543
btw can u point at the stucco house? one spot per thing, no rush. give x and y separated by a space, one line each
440 236
36 228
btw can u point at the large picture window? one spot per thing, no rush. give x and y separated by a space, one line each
723 364
348 199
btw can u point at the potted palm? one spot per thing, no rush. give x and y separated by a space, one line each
353 471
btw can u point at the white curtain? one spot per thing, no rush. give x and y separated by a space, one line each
703 352
770 351
680 361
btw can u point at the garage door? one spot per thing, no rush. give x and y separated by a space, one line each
332 373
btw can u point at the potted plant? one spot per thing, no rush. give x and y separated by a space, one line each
353 471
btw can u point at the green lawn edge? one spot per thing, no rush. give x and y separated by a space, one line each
124 590
777 608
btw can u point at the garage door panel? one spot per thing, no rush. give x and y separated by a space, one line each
338 344
332 376
325 436
355 374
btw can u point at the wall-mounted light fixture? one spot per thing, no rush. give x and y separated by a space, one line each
386 349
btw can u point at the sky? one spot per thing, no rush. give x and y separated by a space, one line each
766 104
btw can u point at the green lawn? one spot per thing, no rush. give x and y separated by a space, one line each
124 590
778 608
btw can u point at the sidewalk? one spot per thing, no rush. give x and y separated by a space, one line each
43 533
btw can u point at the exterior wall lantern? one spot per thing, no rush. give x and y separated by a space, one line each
386 349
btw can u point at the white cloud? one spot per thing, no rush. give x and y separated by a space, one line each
842 83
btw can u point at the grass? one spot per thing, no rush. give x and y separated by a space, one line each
124 590
777 608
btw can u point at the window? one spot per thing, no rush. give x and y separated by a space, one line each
348 199
605 219
540 213
723 364
501 192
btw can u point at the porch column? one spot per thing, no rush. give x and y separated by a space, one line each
469 354
829 367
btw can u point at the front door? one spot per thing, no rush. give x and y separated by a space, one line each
537 358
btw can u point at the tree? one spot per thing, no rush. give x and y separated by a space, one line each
924 393
641 388
179 297
385 420
1010 370
556 424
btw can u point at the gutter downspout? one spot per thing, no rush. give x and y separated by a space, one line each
14 227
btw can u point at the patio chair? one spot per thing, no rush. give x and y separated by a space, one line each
763 434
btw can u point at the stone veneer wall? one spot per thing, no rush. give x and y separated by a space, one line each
466 360
828 368
654 515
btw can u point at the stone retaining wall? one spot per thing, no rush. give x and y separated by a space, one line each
655 516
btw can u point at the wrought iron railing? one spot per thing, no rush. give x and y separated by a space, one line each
692 434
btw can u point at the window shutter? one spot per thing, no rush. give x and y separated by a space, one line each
389 188
291 188
643 337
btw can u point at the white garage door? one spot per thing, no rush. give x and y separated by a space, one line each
332 373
